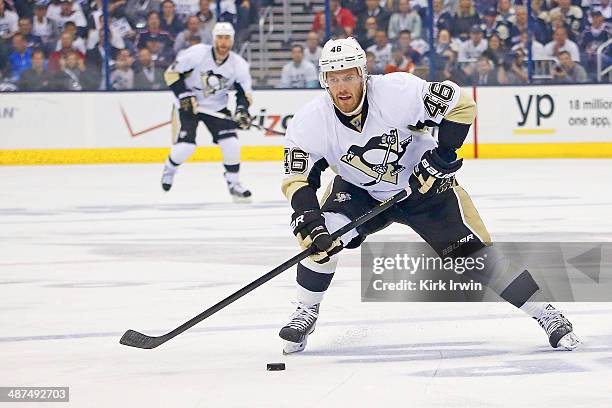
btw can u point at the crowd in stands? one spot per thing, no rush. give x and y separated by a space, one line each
483 42
59 44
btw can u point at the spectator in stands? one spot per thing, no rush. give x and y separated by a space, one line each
56 57
147 75
161 55
228 11
21 57
442 19
540 23
370 62
381 51
72 76
443 42
37 78
312 50
122 77
77 42
72 14
494 26
605 7
517 72
342 17
138 10
95 56
96 34
596 34
8 22
572 16
298 73
404 19
356 7
495 50
537 49
367 37
169 21
561 43
154 33
247 13
569 71
407 45
520 24
484 73
43 26
373 9
183 40
471 49
25 29
506 12
451 70
207 20
399 63
464 19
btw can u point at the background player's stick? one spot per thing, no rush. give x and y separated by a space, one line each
135 339
227 117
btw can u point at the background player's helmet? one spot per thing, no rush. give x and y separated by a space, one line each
341 54
223 29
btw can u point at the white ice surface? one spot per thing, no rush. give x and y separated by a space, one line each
87 252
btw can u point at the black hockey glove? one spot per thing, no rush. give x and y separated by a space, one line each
242 118
433 174
188 104
188 109
309 228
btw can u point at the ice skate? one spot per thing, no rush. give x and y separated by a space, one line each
239 193
558 328
168 177
302 324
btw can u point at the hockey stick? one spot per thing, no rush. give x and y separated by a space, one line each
135 339
227 117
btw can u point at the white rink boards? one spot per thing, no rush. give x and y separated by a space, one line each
90 251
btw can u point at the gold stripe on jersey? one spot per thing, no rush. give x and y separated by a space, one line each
465 110
292 184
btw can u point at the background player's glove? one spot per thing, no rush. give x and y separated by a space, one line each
309 228
433 174
242 118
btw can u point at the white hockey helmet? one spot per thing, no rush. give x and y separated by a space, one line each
341 54
223 29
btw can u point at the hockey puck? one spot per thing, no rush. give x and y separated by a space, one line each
275 366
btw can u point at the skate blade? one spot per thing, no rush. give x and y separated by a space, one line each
242 200
290 347
569 342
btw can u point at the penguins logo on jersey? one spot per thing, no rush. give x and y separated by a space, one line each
379 158
213 83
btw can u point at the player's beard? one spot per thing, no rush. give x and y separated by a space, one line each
352 105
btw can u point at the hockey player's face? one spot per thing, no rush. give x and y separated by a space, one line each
223 44
346 88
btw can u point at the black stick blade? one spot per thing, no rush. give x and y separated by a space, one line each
133 338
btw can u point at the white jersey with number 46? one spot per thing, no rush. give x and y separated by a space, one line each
377 149
210 82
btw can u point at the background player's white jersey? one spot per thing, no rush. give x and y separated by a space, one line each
208 81
381 157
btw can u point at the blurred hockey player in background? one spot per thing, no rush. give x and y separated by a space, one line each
201 78
372 130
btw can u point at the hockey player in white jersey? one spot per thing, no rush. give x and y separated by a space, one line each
372 131
201 78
